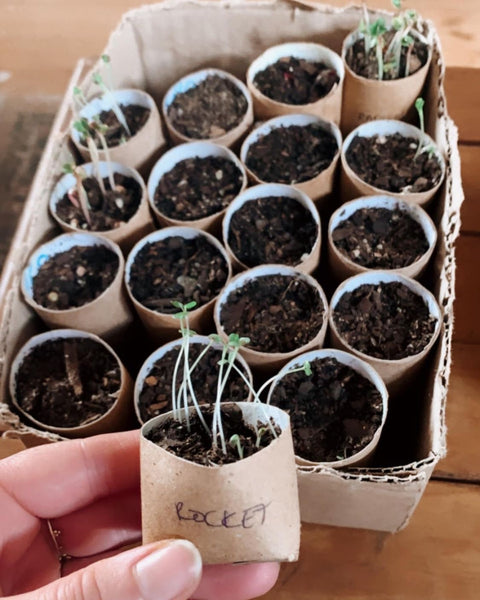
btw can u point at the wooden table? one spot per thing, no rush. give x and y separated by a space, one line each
437 556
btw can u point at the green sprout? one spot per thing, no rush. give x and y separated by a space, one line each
234 442
424 144
107 89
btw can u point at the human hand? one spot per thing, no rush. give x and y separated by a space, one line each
88 493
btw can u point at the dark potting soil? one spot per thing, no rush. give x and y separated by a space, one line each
379 238
198 187
75 277
291 154
367 65
108 211
156 395
385 320
196 445
208 110
177 269
388 162
278 313
296 80
334 412
275 229
68 382
136 116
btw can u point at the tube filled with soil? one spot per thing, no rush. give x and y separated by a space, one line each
380 232
141 145
337 412
366 97
283 312
192 184
76 280
154 383
117 205
388 320
394 158
233 509
297 77
176 264
209 105
298 150
71 383
273 224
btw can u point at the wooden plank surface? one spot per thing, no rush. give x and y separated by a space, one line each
467 316
463 417
462 86
470 155
437 556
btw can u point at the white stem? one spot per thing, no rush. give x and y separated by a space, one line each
197 361
216 424
117 110
189 388
103 142
92 148
175 407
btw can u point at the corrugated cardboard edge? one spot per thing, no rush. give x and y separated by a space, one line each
412 477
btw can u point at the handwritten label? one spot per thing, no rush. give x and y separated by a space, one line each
253 516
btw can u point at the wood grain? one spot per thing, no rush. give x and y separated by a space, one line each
470 156
436 557
462 87
463 417
467 321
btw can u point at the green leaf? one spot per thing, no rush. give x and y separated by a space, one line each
190 305
397 4
68 168
307 368
177 304
419 104
215 338
378 28
407 40
97 78
77 91
105 58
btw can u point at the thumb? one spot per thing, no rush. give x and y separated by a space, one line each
168 570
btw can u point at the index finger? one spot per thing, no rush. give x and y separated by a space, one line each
53 480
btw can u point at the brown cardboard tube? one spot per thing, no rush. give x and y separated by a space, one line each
396 374
244 511
105 316
128 233
362 457
163 327
168 161
269 362
371 99
190 81
308 262
320 186
329 107
118 417
342 267
139 151
351 186
157 356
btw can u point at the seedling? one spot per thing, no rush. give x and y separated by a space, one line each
424 144
235 442
77 195
107 89
375 35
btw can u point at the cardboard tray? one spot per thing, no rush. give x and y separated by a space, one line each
151 48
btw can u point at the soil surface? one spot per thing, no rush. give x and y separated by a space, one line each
334 412
156 395
198 187
292 154
68 382
278 313
296 80
136 116
208 110
367 65
75 277
388 162
378 238
196 445
177 269
385 320
108 211
276 229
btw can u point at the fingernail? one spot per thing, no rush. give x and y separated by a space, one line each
169 573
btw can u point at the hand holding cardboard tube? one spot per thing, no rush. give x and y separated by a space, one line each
66 511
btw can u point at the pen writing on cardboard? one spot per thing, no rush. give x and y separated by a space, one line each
250 517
